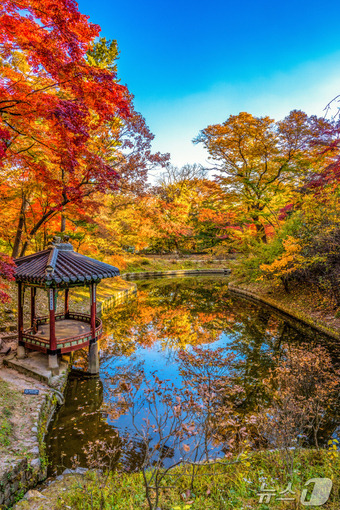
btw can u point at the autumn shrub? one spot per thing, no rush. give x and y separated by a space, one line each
304 385
305 250
257 256
208 375
145 262
285 266
164 429
249 266
308 255
7 268
221 251
176 429
118 260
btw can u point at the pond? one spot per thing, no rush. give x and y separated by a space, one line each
145 352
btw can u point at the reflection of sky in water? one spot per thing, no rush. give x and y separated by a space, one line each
252 332
158 360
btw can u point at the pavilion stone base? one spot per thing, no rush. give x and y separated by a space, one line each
53 363
93 367
21 352
35 365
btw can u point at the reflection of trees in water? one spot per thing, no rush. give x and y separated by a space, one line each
84 419
197 311
188 312
173 315
78 421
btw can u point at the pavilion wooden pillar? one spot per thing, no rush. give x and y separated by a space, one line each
53 356
67 303
21 348
93 347
93 309
33 295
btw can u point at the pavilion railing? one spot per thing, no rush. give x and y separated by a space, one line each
64 344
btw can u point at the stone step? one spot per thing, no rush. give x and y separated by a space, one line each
36 366
9 328
9 336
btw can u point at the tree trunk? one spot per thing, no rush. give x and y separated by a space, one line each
284 281
62 223
36 227
260 230
21 223
45 237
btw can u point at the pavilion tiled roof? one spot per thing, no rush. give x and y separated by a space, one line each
60 265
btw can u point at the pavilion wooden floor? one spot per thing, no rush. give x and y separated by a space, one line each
64 329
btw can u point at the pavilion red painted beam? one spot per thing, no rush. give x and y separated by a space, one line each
67 302
93 310
53 339
33 296
20 312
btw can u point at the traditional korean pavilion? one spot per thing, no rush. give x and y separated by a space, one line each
56 270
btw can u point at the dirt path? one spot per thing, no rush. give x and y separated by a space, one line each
18 416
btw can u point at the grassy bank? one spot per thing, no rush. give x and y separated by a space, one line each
306 303
216 486
17 416
8 401
135 264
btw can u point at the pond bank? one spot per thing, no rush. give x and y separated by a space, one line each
23 425
233 485
301 312
178 273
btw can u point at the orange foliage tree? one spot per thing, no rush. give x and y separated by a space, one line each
67 127
259 158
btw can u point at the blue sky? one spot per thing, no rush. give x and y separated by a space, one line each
191 63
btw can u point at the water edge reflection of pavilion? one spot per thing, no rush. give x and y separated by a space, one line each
56 269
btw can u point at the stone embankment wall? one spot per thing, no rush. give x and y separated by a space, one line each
180 272
284 309
117 298
26 471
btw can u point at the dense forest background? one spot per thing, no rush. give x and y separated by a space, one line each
75 158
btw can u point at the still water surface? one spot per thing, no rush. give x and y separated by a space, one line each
144 337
